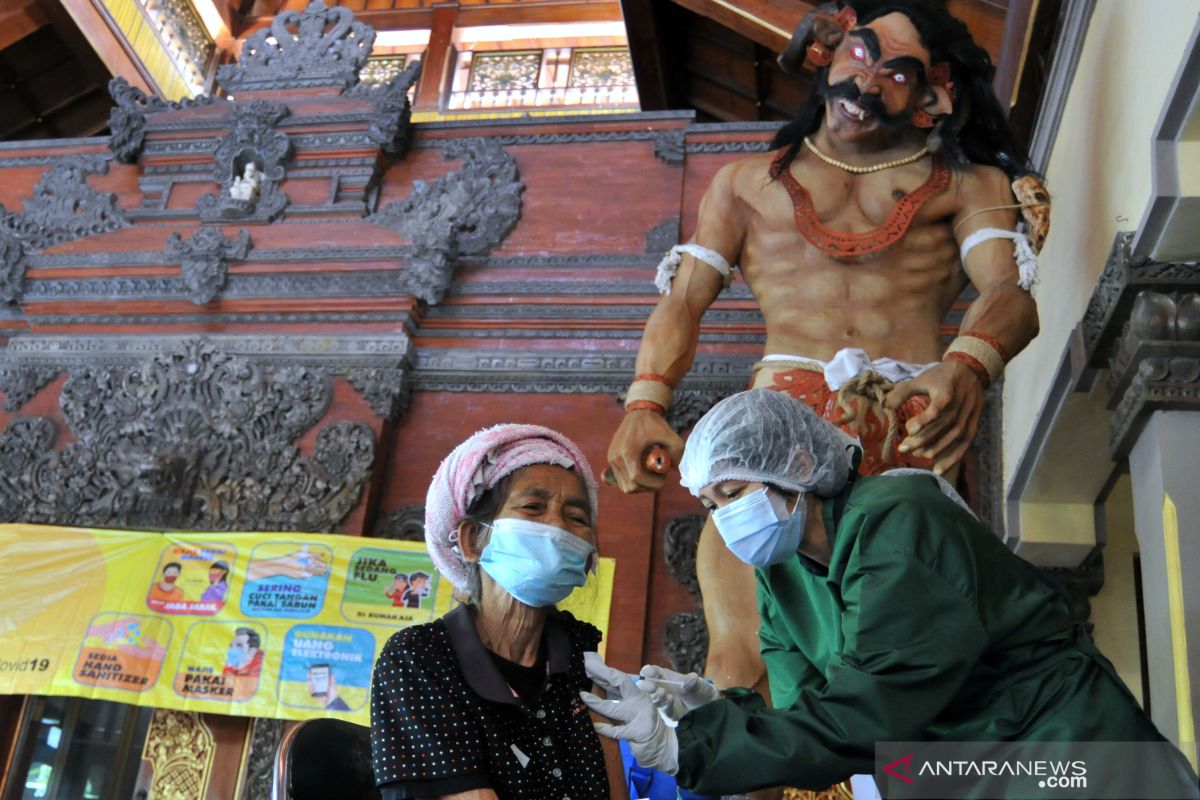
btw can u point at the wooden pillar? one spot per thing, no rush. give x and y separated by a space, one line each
438 62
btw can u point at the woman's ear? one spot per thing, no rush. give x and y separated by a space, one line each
470 542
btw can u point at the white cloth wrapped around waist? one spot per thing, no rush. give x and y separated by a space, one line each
850 362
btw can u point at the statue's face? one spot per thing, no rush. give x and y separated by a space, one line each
876 80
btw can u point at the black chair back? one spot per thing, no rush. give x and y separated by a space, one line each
324 759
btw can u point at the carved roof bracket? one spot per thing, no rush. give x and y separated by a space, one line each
1157 363
1124 276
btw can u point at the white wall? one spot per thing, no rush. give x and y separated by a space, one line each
1099 176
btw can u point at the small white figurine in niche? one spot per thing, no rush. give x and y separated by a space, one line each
246 186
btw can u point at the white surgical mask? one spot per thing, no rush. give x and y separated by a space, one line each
536 563
759 529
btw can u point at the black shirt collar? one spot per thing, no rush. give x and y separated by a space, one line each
478 669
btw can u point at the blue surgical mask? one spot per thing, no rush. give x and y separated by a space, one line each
758 528
235 657
536 563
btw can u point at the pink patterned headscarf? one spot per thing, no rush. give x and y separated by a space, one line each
477 465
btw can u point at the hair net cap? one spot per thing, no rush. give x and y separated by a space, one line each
477 465
767 437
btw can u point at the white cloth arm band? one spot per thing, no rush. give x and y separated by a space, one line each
1027 264
670 264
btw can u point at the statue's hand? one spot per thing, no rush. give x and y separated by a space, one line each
639 431
944 431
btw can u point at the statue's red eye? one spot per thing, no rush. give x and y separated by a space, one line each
858 52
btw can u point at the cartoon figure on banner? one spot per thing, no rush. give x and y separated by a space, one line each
408 597
221 661
322 684
398 590
123 651
218 583
192 579
418 588
326 667
244 658
165 589
286 580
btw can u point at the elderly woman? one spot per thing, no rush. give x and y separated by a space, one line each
484 703
888 613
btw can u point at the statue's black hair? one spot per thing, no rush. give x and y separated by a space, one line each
977 132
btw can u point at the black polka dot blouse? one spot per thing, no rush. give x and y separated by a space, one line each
444 720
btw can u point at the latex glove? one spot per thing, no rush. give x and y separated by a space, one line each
674 693
615 683
651 741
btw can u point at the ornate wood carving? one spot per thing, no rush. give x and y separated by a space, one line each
668 147
13 263
1124 276
21 383
391 110
989 445
680 539
464 213
663 236
63 207
1157 363
685 635
468 370
253 139
204 260
127 119
265 735
689 405
319 46
685 638
386 390
180 749
193 439
406 524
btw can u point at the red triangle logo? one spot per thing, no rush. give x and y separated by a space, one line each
907 762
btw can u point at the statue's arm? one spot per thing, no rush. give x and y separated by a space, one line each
1003 309
673 330
1004 313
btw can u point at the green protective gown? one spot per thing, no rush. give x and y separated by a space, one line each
924 627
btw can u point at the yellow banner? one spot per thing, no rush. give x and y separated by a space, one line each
277 625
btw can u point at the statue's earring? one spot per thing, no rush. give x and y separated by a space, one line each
819 55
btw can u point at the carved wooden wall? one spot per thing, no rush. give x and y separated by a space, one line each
189 344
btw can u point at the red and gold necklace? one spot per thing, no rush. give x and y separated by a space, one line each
840 244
